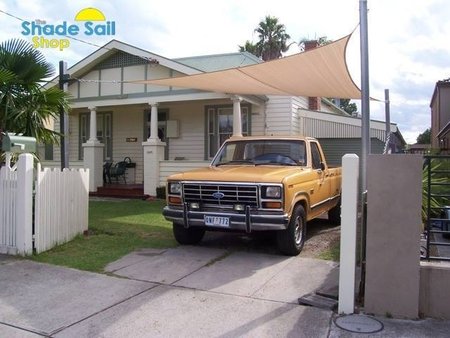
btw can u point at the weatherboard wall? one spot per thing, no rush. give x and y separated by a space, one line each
281 115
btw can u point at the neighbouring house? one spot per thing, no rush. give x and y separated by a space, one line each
440 116
418 148
164 130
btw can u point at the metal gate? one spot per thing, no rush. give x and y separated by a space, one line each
436 208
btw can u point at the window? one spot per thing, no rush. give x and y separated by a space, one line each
162 123
45 151
220 125
262 152
315 156
104 133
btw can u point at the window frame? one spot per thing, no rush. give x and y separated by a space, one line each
212 119
315 148
84 121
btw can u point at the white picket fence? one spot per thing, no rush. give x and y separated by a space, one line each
60 207
8 193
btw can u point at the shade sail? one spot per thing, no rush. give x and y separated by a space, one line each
318 72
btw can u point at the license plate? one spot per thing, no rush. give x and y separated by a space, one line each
217 221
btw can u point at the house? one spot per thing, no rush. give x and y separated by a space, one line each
418 148
164 130
440 116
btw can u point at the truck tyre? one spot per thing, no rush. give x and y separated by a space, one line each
290 241
187 236
334 214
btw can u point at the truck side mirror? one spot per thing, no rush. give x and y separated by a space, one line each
322 166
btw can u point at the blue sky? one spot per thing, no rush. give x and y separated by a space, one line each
409 47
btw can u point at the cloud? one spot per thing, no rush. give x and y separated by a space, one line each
440 57
408 39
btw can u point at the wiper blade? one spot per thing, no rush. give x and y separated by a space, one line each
277 163
236 162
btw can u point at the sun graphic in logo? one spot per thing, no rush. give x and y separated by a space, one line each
90 14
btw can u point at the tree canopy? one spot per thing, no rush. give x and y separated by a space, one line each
25 105
425 137
345 104
273 40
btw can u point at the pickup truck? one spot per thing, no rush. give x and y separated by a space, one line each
256 184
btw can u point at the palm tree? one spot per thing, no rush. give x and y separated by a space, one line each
272 38
25 105
249 47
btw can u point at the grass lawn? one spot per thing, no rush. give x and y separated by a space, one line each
116 228
332 253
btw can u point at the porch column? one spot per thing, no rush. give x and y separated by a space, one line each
93 125
93 154
237 121
153 150
154 121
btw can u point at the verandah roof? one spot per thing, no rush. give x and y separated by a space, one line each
318 72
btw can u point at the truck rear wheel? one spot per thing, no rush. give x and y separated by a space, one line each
290 241
334 214
184 235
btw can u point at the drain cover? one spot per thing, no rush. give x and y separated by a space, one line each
359 323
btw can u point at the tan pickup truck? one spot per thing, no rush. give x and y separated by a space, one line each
256 184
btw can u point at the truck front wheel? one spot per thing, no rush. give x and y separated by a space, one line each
184 235
290 241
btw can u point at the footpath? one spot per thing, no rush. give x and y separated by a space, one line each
180 292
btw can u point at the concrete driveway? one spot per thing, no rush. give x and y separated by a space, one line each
186 291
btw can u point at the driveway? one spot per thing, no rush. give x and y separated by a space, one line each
204 291
185 291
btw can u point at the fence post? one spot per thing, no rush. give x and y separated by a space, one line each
349 215
24 204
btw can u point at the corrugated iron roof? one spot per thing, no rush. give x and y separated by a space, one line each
211 63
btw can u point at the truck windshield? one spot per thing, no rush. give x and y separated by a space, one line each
262 152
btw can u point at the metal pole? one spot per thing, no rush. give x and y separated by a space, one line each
387 109
365 96
63 118
365 131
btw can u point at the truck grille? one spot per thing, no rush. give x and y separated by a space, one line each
222 195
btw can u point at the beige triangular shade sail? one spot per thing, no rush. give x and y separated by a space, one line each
318 72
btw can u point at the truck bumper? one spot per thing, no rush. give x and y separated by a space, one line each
248 221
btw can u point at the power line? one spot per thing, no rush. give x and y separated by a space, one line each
91 81
98 81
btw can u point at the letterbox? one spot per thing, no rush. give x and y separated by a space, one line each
18 143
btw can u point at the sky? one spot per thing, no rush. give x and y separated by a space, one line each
409 40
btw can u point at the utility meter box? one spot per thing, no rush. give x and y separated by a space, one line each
18 144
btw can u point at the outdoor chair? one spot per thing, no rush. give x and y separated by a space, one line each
106 168
118 170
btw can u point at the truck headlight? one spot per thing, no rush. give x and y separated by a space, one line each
175 188
272 192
